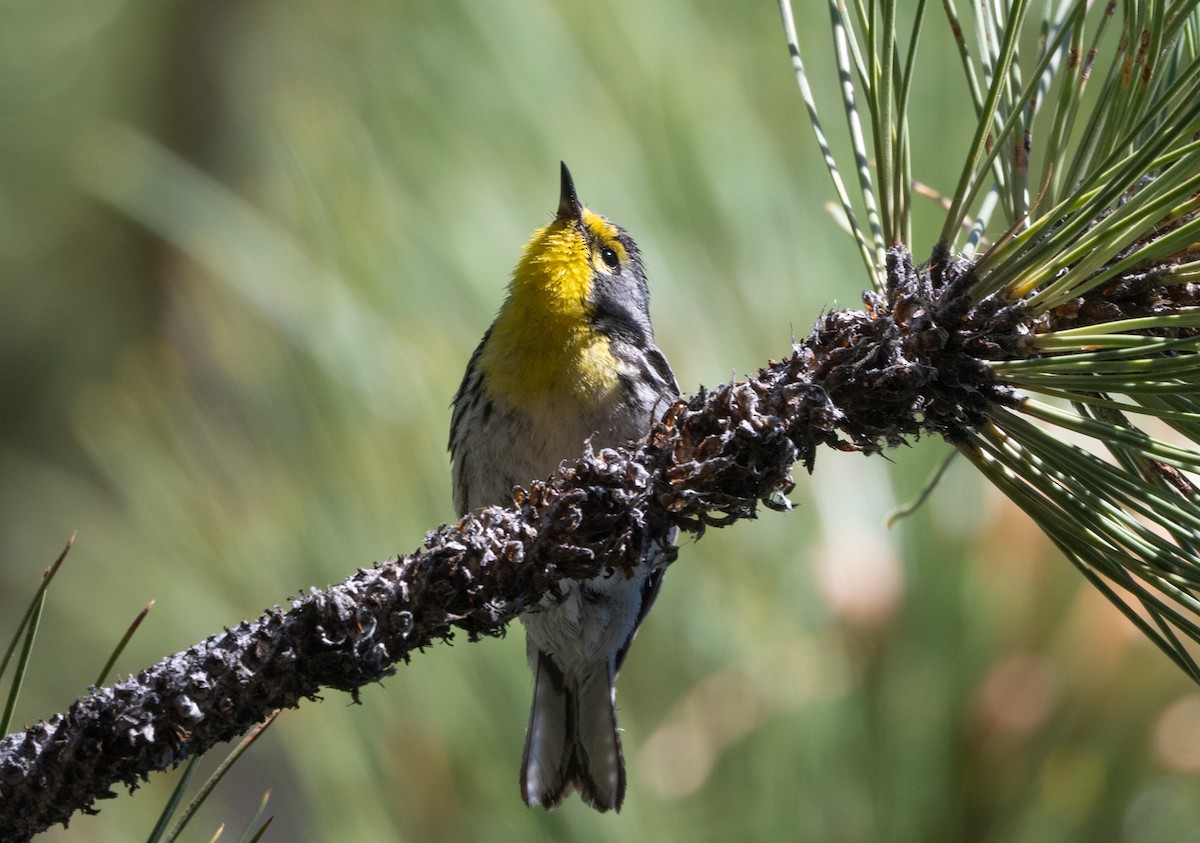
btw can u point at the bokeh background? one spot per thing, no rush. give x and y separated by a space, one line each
245 252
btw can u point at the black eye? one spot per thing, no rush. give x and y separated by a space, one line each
609 257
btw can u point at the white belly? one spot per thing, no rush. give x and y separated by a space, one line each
589 622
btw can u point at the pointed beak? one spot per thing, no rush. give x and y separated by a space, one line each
568 203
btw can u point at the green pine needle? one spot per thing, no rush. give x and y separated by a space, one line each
1091 201
24 636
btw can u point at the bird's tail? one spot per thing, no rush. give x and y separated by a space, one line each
572 741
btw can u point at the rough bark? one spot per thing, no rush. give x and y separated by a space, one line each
862 381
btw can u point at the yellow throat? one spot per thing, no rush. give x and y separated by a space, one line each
542 346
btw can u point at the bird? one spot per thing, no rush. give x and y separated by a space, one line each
569 360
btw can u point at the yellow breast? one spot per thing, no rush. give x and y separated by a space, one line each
542 346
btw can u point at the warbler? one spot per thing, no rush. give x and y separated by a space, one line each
570 357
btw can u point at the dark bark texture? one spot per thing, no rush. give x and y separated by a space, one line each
912 361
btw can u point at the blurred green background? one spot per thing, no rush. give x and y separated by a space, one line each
246 250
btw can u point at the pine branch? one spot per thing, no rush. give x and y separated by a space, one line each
920 359
862 381
1090 294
